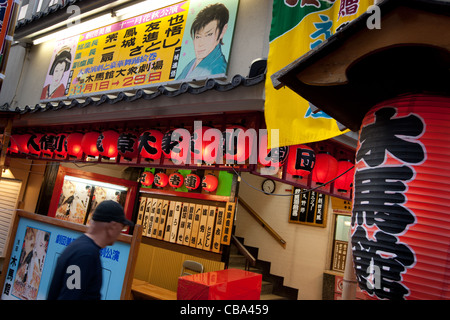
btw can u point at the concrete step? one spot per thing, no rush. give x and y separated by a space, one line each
272 296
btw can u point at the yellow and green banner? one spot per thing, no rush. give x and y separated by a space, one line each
297 27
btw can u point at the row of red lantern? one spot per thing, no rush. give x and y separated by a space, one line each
303 161
176 180
151 144
204 144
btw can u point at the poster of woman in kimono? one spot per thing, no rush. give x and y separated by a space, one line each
31 264
73 202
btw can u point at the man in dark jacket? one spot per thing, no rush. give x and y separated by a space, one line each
78 272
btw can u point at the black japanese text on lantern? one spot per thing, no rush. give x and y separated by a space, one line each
380 258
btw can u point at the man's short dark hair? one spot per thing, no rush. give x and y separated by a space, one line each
210 13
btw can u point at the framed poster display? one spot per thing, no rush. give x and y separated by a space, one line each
77 193
40 240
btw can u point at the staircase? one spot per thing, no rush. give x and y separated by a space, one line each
272 286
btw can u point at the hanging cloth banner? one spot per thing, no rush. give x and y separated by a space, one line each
297 27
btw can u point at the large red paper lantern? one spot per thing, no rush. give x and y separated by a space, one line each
238 144
401 208
147 178
198 144
74 148
47 144
192 181
60 145
107 144
161 179
301 161
176 180
89 143
210 183
128 145
325 169
150 144
344 182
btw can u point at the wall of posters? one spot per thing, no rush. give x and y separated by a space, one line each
187 40
37 245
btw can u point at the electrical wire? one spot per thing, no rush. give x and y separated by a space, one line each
293 194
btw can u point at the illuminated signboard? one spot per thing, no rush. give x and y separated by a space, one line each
185 41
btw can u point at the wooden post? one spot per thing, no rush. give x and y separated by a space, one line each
349 287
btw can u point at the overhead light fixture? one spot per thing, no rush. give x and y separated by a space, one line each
109 18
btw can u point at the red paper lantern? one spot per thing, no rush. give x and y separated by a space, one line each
60 145
107 144
192 181
198 144
176 180
74 148
325 169
210 183
47 144
401 208
150 144
271 157
89 143
344 183
147 178
238 144
34 144
128 145
161 179
301 161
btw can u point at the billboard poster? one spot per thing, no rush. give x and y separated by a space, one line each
37 246
181 42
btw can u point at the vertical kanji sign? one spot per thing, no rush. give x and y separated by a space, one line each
401 217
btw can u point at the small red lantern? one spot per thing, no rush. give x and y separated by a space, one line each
107 144
147 178
34 144
301 161
74 148
89 143
325 169
192 181
161 179
176 180
60 145
150 144
344 182
128 145
238 143
210 183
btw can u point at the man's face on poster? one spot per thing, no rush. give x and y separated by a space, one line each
207 38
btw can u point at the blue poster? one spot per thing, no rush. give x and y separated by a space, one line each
36 248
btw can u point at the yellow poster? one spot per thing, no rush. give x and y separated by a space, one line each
299 26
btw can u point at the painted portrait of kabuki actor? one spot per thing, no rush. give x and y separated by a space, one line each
61 64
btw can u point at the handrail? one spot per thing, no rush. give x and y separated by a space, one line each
263 223
250 259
